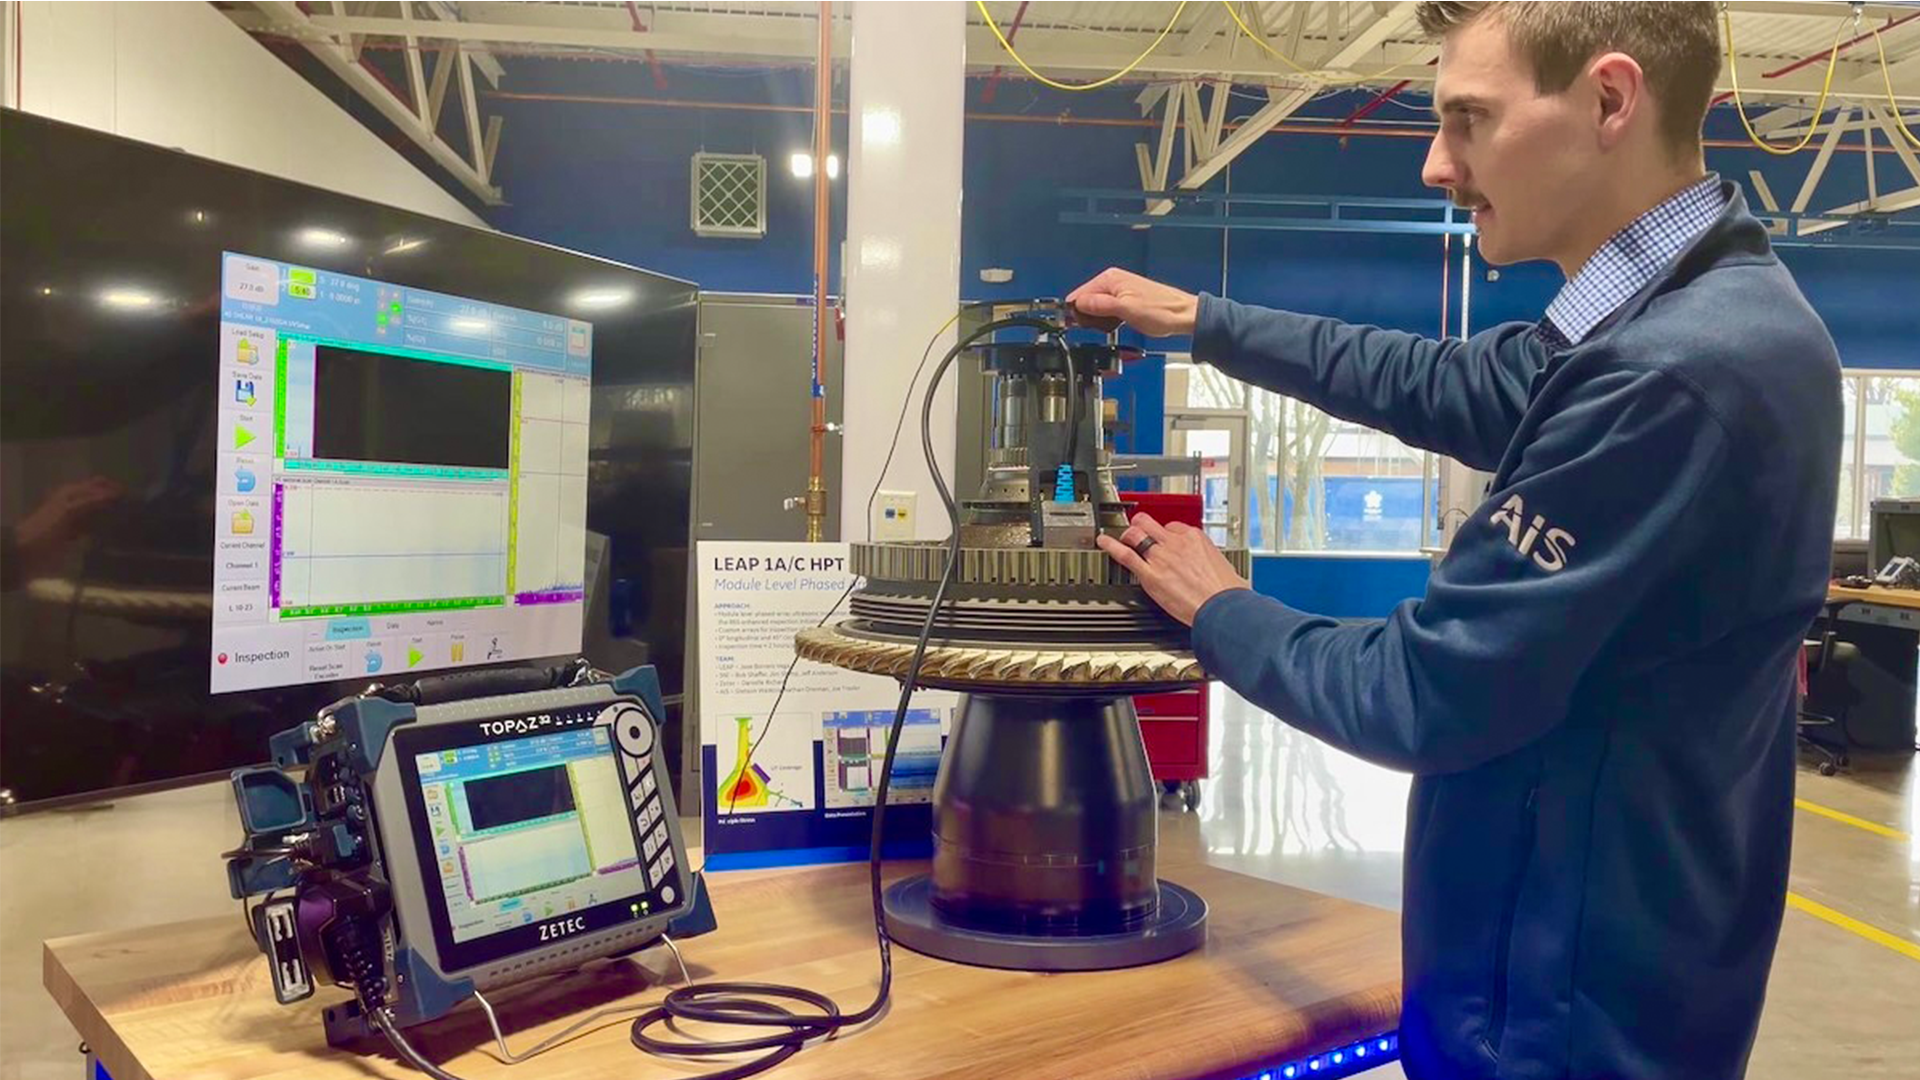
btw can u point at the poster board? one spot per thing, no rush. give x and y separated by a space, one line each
797 785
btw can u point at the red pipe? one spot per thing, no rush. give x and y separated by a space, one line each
1842 47
659 76
993 80
1823 54
1373 106
1380 99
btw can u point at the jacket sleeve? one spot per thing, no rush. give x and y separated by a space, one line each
1614 494
1460 398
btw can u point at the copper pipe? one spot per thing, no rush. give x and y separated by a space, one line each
822 129
1303 126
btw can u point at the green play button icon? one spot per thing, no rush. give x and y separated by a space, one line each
414 656
241 436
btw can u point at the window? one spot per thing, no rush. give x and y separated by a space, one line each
1881 458
1317 483
1844 526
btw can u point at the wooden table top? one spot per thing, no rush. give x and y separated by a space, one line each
1284 973
1903 598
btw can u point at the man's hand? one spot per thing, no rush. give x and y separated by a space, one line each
1152 308
65 513
1182 570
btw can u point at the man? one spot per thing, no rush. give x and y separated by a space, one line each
1597 690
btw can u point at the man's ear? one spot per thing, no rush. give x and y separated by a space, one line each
1620 96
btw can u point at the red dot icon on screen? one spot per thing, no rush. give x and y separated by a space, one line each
222 658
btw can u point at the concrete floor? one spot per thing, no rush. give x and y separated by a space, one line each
1278 805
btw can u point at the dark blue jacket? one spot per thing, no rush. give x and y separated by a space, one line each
1597 691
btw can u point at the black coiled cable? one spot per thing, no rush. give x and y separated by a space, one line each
740 1003
745 1004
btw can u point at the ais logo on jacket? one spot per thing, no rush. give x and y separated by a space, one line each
1545 544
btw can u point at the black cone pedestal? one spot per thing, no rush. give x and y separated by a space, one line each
1044 832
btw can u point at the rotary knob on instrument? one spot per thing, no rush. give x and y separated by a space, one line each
633 729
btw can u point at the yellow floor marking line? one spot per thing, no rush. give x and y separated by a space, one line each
1852 925
1848 819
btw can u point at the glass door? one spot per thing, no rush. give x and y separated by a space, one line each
1218 437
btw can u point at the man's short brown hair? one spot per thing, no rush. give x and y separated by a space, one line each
1676 44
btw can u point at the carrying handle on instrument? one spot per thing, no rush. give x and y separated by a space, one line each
462 685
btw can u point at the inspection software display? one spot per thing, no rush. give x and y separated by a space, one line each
529 829
402 481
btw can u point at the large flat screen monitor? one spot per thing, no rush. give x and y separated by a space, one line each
403 479
261 444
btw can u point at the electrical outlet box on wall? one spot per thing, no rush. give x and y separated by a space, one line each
894 515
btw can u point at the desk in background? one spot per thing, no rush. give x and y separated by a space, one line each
1875 692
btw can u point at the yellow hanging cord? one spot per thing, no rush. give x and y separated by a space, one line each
1733 72
1097 83
1893 107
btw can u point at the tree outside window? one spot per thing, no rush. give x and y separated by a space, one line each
1317 483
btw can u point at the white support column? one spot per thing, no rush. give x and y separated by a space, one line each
12 52
9 27
905 124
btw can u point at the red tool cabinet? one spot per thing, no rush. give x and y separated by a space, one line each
1174 726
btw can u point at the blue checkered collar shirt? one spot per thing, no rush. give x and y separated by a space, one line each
1629 260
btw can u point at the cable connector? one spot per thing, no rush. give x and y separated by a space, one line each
1063 483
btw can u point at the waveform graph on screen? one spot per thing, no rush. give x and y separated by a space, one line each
775 775
602 801
527 830
519 832
549 486
853 749
523 862
373 548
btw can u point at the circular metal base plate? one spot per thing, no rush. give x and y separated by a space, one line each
1179 927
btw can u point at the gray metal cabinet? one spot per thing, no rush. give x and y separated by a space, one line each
752 387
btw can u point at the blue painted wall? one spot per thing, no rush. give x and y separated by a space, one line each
613 180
